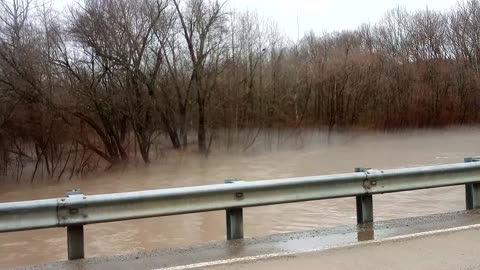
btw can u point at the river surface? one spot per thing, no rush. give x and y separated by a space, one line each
271 156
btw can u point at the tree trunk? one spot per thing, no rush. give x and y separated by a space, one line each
172 133
144 151
183 127
202 138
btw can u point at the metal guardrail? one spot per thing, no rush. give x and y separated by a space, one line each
76 209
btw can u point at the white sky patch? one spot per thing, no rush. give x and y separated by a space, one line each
322 15
330 15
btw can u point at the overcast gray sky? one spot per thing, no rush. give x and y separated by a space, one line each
321 15
327 15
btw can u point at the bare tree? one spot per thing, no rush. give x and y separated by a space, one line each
203 30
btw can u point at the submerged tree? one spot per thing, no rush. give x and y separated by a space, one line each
109 79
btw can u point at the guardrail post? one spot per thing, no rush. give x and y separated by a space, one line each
364 205
234 217
75 242
472 191
75 239
365 232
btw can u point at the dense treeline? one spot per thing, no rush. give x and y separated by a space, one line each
110 79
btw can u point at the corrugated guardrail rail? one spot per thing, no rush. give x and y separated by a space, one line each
76 209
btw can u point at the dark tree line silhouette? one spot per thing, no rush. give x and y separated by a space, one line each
95 85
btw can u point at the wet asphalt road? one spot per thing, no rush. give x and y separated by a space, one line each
442 250
292 242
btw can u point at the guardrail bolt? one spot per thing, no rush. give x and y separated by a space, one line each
361 169
73 192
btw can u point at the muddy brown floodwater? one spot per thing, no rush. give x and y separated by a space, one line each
272 156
